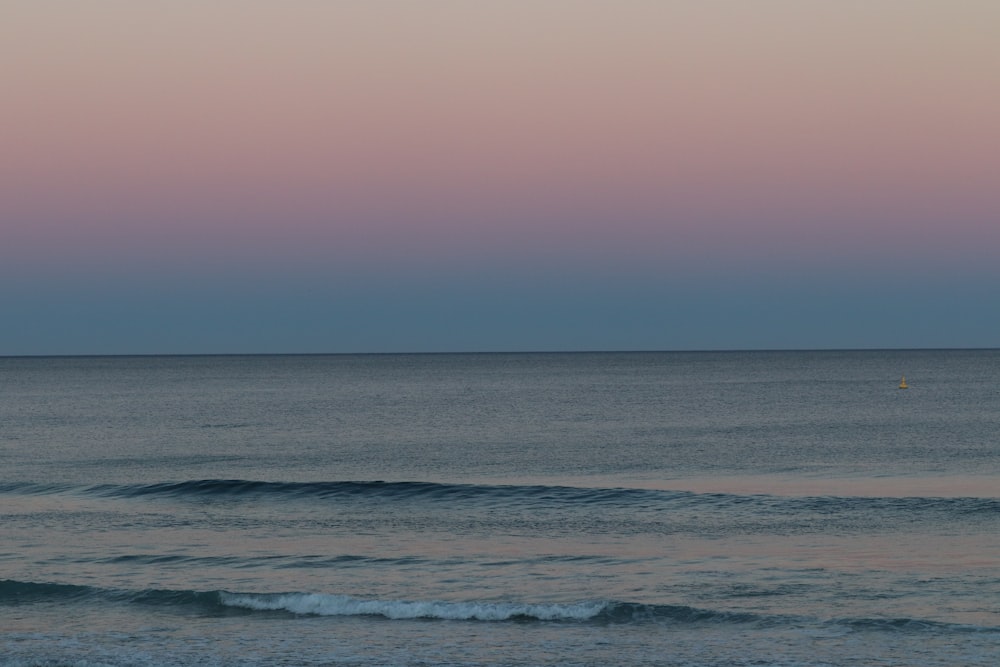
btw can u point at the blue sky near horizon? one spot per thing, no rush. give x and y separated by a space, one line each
527 315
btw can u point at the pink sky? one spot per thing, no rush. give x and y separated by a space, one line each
453 124
774 135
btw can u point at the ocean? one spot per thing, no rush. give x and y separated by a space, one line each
670 509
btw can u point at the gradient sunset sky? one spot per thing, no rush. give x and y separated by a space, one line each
183 176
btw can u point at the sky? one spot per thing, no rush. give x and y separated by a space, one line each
250 176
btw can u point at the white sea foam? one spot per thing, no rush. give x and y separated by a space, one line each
320 604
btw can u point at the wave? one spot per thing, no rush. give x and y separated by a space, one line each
321 604
305 604
605 612
239 488
247 562
515 496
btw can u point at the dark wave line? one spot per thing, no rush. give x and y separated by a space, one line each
518 495
323 604
33 489
247 562
318 561
237 488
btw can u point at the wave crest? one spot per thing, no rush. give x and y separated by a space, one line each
320 604
224 603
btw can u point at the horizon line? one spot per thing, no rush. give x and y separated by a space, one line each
492 352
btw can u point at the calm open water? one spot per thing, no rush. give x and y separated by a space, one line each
676 509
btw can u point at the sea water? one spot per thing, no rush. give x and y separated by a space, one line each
676 509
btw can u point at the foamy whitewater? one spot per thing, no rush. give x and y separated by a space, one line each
674 509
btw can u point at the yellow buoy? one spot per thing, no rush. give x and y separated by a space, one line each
902 383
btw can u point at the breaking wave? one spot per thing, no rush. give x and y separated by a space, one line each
608 612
